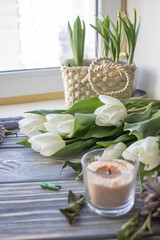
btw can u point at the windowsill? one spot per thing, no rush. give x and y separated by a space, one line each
18 109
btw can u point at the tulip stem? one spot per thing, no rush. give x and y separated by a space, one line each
72 140
138 109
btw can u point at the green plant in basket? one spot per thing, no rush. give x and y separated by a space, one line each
111 40
77 39
132 35
112 35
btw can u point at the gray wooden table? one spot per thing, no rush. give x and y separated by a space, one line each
29 212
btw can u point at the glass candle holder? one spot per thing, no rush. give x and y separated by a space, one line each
109 182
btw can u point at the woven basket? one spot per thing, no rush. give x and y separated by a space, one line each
110 78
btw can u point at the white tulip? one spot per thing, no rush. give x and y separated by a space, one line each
32 124
111 113
113 151
62 124
47 143
147 151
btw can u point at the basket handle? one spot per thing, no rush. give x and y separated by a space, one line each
110 63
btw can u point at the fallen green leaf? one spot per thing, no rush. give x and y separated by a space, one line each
73 209
128 228
76 165
144 230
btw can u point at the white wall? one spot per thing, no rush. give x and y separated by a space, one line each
147 54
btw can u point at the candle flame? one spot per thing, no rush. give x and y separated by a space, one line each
109 169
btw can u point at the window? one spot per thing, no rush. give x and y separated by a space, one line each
34 34
34 40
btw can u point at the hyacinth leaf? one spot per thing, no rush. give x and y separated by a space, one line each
82 124
138 116
85 106
77 39
76 165
45 112
25 143
150 127
75 147
73 209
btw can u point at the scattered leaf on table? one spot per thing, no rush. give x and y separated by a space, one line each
144 230
128 228
76 165
74 206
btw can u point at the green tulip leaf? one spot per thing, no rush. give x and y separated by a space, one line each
82 124
138 116
150 127
123 138
88 105
45 112
75 147
25 143
98 132
140 102
73 209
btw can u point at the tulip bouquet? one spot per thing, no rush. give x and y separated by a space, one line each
129 125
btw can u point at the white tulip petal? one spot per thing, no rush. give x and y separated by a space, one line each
109 100
117 116
51 149
50 127
114 151
60 123
34 116
147 151
47 143
36 130
30 125
59 117
153 165
66 127
111 113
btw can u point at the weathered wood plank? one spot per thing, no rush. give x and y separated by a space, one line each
29 212
24 164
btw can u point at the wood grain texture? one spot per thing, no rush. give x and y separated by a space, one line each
29 212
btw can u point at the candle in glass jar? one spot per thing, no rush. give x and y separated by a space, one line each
110 182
